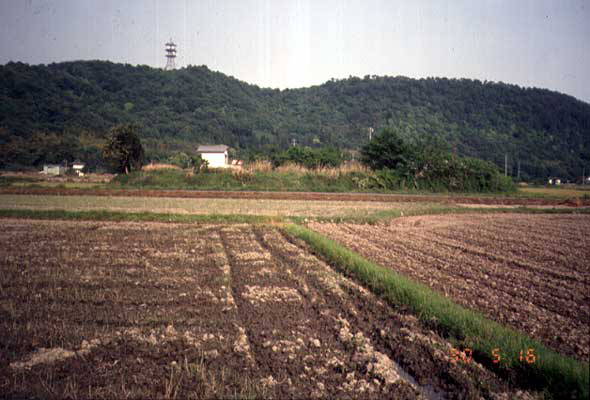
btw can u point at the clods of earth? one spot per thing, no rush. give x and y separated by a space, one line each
144 310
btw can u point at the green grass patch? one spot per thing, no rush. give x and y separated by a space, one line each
438 209
558 376
226 180
103 215
556 192
273 180
12 180
59 185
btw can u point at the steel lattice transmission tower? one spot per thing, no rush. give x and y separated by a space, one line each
170 55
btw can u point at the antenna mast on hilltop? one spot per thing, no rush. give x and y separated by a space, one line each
170 56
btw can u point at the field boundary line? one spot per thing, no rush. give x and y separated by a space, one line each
146 216
452 198
124 216
562 376
386 215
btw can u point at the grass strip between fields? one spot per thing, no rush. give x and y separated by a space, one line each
554 374
104 215
384 215
374 218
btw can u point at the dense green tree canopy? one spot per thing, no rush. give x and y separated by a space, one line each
429 164
124 149
547 132
387 150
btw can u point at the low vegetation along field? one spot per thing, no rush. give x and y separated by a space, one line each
178 310
529 272
202 206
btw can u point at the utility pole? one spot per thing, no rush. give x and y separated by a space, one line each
505 164
370 133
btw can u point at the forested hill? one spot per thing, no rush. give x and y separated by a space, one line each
61 110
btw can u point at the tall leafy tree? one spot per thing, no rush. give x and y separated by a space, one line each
387 149
123 148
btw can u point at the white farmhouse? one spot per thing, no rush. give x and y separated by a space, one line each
78 166
217 156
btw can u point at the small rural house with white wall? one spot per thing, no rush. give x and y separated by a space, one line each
217 156
53 169
78 166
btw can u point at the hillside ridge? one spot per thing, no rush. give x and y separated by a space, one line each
63 110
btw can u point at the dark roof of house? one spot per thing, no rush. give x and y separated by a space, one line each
218 148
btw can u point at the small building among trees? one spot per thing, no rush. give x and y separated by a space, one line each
217 156
53 169
78 167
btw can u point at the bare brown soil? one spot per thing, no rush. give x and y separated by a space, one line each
147 310
506 201
530 272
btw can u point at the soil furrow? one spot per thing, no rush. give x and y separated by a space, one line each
446 278
148 310
544 230
532 254
366 363
470 261
361 322
506 287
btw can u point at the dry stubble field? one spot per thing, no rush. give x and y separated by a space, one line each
136 310
202 206
530 272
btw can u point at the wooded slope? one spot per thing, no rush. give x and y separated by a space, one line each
58 111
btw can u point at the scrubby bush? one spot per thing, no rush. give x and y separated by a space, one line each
308 157
428 164
181 160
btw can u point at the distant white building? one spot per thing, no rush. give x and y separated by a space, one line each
53 169
217 156
78 166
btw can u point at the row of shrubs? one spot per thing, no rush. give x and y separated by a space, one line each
390 162
349 177
464 175
427 163
260 175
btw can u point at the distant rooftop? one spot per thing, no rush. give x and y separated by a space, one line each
217 148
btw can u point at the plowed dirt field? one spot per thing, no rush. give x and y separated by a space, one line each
147 310
530 272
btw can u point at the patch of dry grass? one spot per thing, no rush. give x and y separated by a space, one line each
286 208
258 166
331 172
292 168
155 167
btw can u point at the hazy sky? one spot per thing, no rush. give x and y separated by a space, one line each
299 43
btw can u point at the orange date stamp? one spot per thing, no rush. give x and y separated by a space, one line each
466 355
